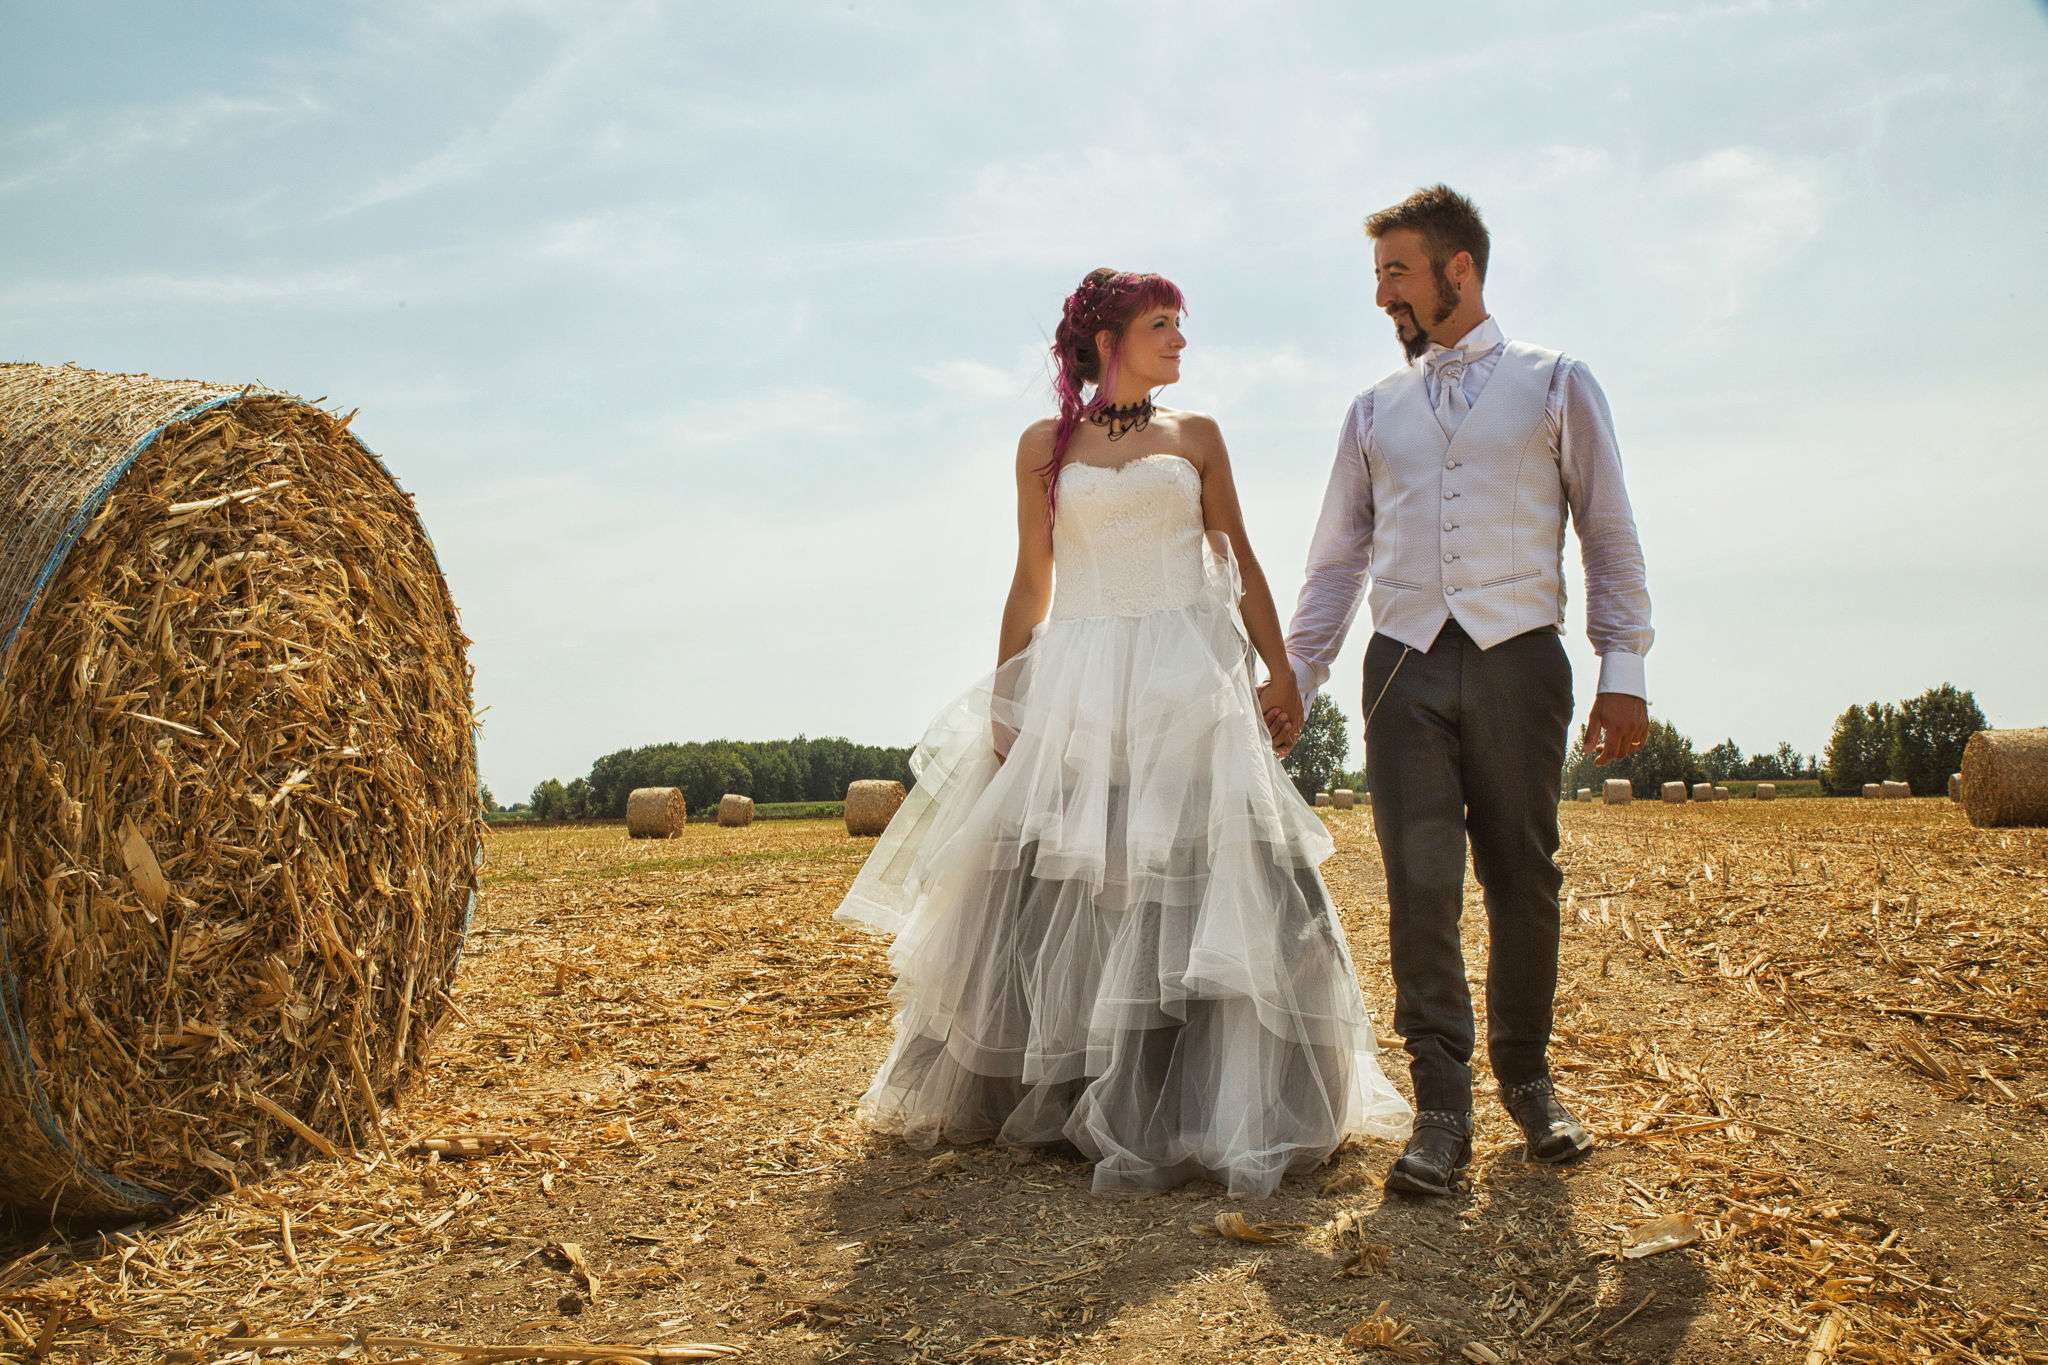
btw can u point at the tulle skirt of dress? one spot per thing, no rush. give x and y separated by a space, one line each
1118 938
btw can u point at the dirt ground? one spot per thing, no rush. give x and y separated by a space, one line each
1809 1034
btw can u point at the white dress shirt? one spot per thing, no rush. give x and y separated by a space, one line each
1580 436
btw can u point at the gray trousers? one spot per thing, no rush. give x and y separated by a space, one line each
1469 742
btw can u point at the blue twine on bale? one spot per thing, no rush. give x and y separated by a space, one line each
21 1064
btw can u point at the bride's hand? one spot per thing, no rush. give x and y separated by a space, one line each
1280 701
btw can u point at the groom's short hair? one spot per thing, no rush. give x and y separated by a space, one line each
1448 221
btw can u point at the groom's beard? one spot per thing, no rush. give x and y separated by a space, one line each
1413 343
1447 301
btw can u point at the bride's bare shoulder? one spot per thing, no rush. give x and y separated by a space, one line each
1199 425
1196 435
1034 447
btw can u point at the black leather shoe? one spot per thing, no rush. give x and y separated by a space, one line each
1439 1146
1552 1134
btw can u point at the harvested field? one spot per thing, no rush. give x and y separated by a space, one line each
1809 1034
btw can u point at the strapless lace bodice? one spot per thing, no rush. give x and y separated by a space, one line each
1127 540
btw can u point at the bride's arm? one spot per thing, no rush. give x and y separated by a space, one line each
1031 585
1220 512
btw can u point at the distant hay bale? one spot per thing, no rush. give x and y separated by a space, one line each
1702 791
1322 798
1955 786
1894 791
2005 778
871 804
1585 794
1617 791
1720 793
239 824
1873 790
1766 791
656 813
735 810
1674 792
1343 798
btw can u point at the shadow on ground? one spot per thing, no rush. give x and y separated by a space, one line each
982 1253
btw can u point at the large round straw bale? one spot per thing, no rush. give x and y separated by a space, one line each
656 813
870 804
1617 791
2005 777
1674 792
1873 790
239 823
1344 798
735 810
1720 793
1702 791
1955 786
1322 799
1766 791
1895 791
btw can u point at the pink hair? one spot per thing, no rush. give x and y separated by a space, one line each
1105 301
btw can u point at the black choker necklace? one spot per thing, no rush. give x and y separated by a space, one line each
1128 418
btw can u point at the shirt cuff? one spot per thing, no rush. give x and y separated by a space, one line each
1622 672
1308 680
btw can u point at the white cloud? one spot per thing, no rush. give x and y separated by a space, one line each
68 149
759 417
638 244
1227 380
1556 166
1729 222
1092 204
1568 50
523 123
353 286
979 381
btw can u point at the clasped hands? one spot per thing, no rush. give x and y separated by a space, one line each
1280 703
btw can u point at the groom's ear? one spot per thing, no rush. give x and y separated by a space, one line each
1461 269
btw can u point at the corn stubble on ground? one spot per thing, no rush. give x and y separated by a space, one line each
1809 1035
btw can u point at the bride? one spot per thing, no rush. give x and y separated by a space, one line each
1110 937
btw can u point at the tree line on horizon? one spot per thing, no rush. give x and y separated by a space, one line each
1918 741
776 770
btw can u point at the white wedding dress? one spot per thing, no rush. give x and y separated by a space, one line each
1118 937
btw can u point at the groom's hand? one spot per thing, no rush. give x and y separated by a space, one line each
1618 726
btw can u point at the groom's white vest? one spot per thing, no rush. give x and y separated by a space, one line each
1471 527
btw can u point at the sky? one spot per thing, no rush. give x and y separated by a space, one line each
703 333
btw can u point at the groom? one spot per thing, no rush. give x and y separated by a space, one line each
1453 480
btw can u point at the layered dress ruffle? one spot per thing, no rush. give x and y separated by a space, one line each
1116 939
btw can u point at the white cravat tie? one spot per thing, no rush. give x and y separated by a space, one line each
1451 403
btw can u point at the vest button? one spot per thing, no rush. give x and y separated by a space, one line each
1451 591
1449 557
1450 464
